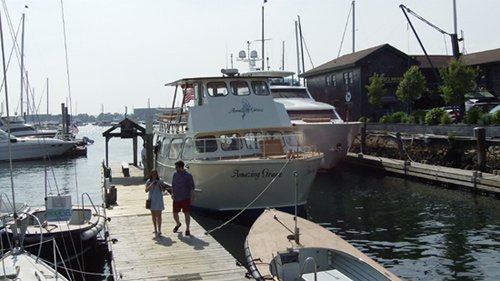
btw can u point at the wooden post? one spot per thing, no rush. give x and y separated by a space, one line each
400 146
480 133
363 138
134 144
149 145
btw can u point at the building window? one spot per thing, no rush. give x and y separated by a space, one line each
334 81
347 78
327 80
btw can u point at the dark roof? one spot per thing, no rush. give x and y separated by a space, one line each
348 60
437 60
484 57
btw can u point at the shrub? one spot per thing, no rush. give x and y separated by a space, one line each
385 119
485 119
452 137
364 119
433 117
472 116
418 117
445 119
398 117
495 118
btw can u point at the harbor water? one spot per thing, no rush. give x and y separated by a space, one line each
418 231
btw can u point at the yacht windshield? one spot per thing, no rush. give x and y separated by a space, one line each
290 93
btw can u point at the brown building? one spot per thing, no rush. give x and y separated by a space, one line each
341 82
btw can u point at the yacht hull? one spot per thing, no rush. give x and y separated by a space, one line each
26 149
332 139
233 184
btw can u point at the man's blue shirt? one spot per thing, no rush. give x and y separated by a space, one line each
182 185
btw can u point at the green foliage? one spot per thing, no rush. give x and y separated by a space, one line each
458 79
365 119
385 119
434 116
398 117
412 86
376 88
452 137
418 117
495 119
484 119
445 119
472 116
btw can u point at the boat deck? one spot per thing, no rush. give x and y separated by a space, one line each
139 255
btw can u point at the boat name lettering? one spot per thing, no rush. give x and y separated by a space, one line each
265 173
246 108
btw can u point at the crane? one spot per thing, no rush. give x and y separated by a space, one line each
454 37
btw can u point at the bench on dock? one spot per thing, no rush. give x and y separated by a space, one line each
125 169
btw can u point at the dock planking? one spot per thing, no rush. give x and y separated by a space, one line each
474 180
139 255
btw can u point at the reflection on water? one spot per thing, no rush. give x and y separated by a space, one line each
420 232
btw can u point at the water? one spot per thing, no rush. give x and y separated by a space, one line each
418 231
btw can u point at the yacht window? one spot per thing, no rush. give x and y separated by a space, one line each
175 149
206 144
251 141
239 88
260 88
215 89
189 95
230 142
165 147
188 151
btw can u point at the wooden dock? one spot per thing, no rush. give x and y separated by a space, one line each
138 255
476 181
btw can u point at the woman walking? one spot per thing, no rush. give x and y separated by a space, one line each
155 188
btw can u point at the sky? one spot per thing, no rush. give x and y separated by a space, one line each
120 53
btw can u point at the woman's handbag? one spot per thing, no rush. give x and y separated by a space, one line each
148 203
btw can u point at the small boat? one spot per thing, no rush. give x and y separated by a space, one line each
19 128
281 246
318 121
74 227
237 142
31 148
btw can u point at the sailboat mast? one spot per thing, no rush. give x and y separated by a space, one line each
8 116
353 28
22 63
263 57
297 47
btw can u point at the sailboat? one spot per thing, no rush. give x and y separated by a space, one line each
17 264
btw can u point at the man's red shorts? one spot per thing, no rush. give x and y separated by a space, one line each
184 205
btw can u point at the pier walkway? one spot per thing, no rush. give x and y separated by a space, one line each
138 255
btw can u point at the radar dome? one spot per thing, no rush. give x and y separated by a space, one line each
242 54
253 54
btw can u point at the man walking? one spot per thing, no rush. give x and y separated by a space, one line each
182 195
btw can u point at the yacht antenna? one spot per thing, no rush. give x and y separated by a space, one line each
263 62
353 28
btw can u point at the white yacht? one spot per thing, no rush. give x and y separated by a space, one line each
19 128
238 144
318 121
31 148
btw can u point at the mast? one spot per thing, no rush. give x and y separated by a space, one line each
47 99
297 47
263 60
22 64
353 28
301 45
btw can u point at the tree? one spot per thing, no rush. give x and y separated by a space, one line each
458 79
376 89
411 87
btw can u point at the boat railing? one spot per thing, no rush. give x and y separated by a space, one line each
91 202
244 147
174 121
304 264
